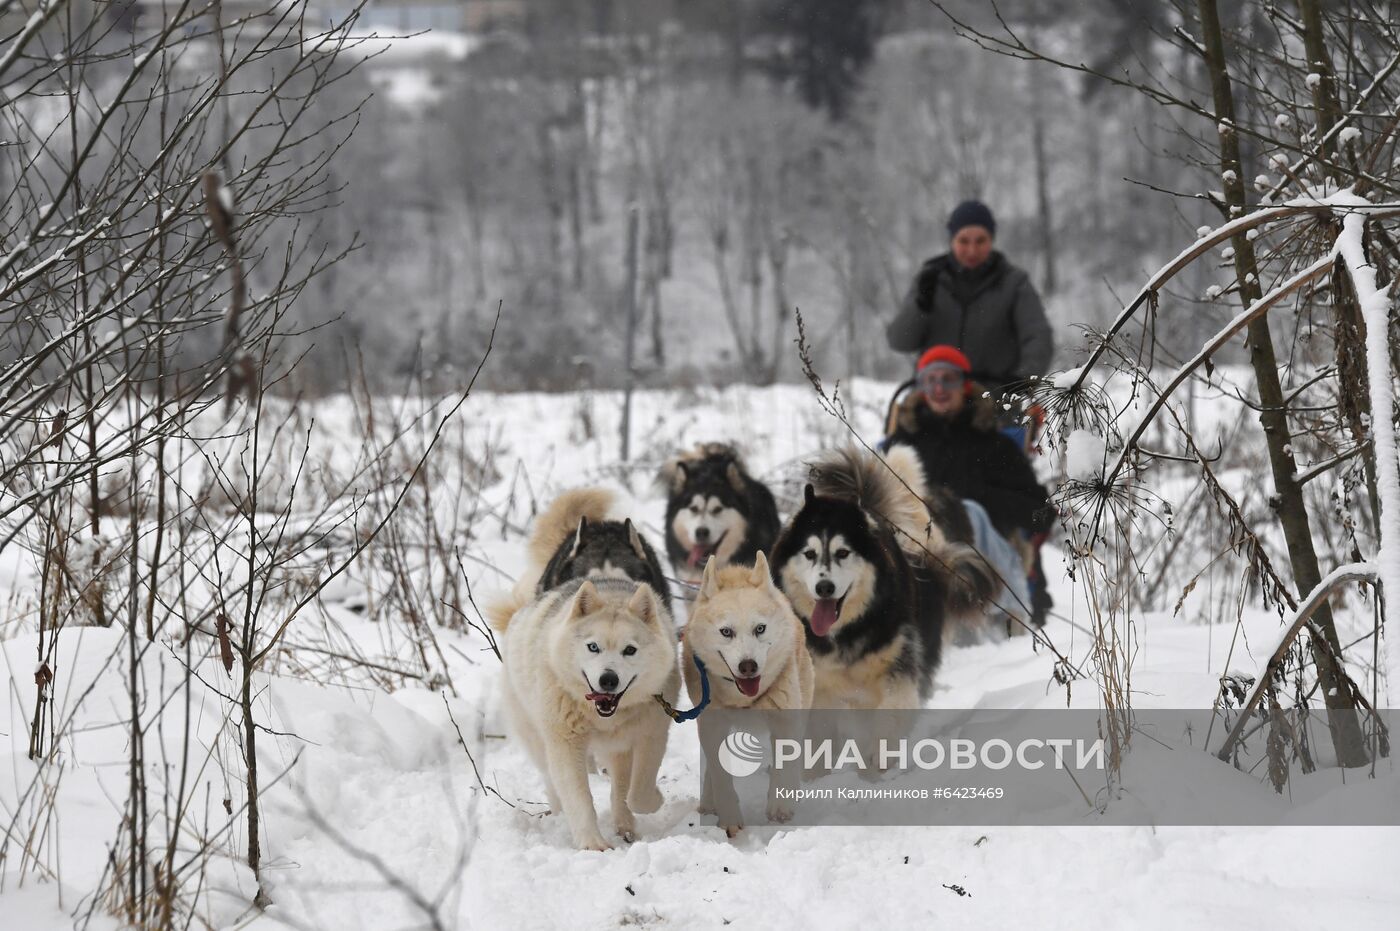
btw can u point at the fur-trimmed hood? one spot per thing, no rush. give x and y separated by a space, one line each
979 409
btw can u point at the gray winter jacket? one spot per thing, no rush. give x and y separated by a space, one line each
993 315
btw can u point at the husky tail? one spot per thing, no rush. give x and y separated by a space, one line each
560 521
552 528
892 489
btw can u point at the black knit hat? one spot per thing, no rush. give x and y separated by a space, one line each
971 213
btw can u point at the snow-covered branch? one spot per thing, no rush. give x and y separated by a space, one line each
1351 572
1313 272
1375 306
1200 247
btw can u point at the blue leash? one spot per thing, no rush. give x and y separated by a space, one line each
680 717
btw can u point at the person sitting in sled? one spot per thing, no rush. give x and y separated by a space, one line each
953 426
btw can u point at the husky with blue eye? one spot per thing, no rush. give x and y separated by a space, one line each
869 568
581 664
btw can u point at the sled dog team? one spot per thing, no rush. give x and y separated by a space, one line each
844 606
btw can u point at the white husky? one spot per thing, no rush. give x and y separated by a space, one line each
582 662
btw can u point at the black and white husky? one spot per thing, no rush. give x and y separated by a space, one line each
874 564
715 508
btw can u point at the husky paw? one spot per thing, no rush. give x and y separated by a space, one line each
645 801
628 835
779 814
595 842
732 832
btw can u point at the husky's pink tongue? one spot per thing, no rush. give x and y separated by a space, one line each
698 554
824 614
748 686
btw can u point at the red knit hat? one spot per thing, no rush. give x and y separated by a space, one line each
947 355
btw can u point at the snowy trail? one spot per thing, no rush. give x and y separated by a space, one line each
385 773
683 873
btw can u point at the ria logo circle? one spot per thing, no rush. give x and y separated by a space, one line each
741 754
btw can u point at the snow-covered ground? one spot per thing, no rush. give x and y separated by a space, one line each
375 815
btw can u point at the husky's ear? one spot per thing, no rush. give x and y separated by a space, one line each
735 477
578 536
761 576
678 476
634 540
586 601
709 581
809 494
643 604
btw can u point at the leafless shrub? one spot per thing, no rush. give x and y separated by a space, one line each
154 235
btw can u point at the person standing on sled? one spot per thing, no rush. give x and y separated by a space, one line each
972 298
952 425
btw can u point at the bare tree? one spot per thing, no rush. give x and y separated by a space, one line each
1328 212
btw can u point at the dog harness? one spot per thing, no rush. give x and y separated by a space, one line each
680 717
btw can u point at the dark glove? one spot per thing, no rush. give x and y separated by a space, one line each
927 282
